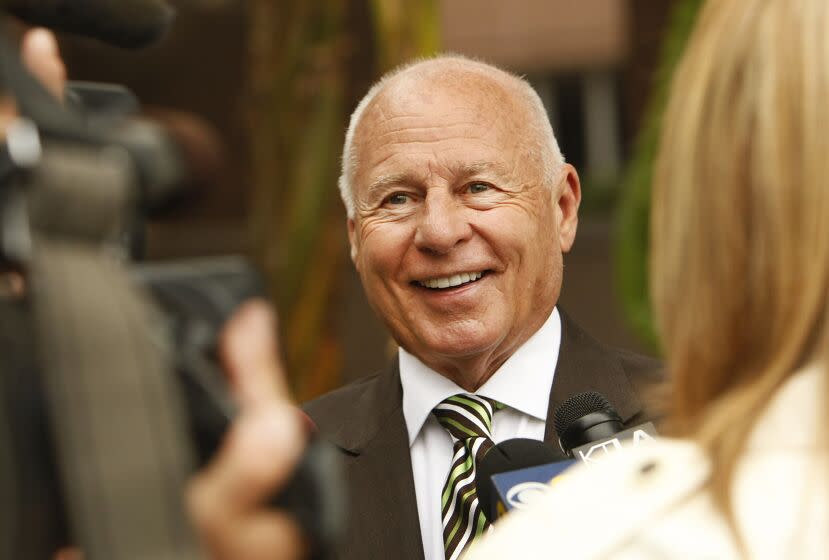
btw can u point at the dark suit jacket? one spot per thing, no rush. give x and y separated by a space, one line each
365 421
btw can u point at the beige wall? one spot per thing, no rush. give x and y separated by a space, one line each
537 35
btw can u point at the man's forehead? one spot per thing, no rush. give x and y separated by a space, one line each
459 138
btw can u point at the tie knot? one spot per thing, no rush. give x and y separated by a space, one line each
467 416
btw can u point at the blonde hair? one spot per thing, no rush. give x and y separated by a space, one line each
539 128
740 222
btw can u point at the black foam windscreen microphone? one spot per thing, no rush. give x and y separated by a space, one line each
585 418
128 24
509 455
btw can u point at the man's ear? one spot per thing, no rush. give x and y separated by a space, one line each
352 239
568 192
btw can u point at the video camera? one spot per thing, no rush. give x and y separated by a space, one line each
110 391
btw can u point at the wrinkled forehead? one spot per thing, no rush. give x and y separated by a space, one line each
438 109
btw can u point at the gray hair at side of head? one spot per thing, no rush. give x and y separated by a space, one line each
546 144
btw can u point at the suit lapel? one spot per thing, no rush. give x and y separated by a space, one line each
378 472
584 364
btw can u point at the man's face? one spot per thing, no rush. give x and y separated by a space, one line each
457 240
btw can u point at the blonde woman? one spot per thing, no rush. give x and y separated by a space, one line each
740 277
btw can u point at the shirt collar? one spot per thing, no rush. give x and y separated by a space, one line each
523 382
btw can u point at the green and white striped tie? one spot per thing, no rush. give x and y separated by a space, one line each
468 419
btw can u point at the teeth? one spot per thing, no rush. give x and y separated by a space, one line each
451 281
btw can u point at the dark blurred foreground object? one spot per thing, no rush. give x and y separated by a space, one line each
95 429
124 23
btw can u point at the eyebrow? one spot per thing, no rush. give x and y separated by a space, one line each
385 181
476 167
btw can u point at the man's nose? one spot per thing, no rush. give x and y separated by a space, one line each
442 225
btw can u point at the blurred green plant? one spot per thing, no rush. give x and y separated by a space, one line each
633 238
296 91
301 68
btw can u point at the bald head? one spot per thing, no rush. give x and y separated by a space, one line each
473 87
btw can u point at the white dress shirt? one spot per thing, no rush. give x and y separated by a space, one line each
523 383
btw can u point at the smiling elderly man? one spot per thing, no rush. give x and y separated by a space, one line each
460 207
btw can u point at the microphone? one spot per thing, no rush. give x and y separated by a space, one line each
589 428
513 473
128 24
583 418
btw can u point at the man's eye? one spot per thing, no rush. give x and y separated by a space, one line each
476 188
398 198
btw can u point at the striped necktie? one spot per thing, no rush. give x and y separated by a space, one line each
468 419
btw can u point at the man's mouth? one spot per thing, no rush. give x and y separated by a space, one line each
451 281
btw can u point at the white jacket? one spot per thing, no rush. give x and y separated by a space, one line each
647 504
